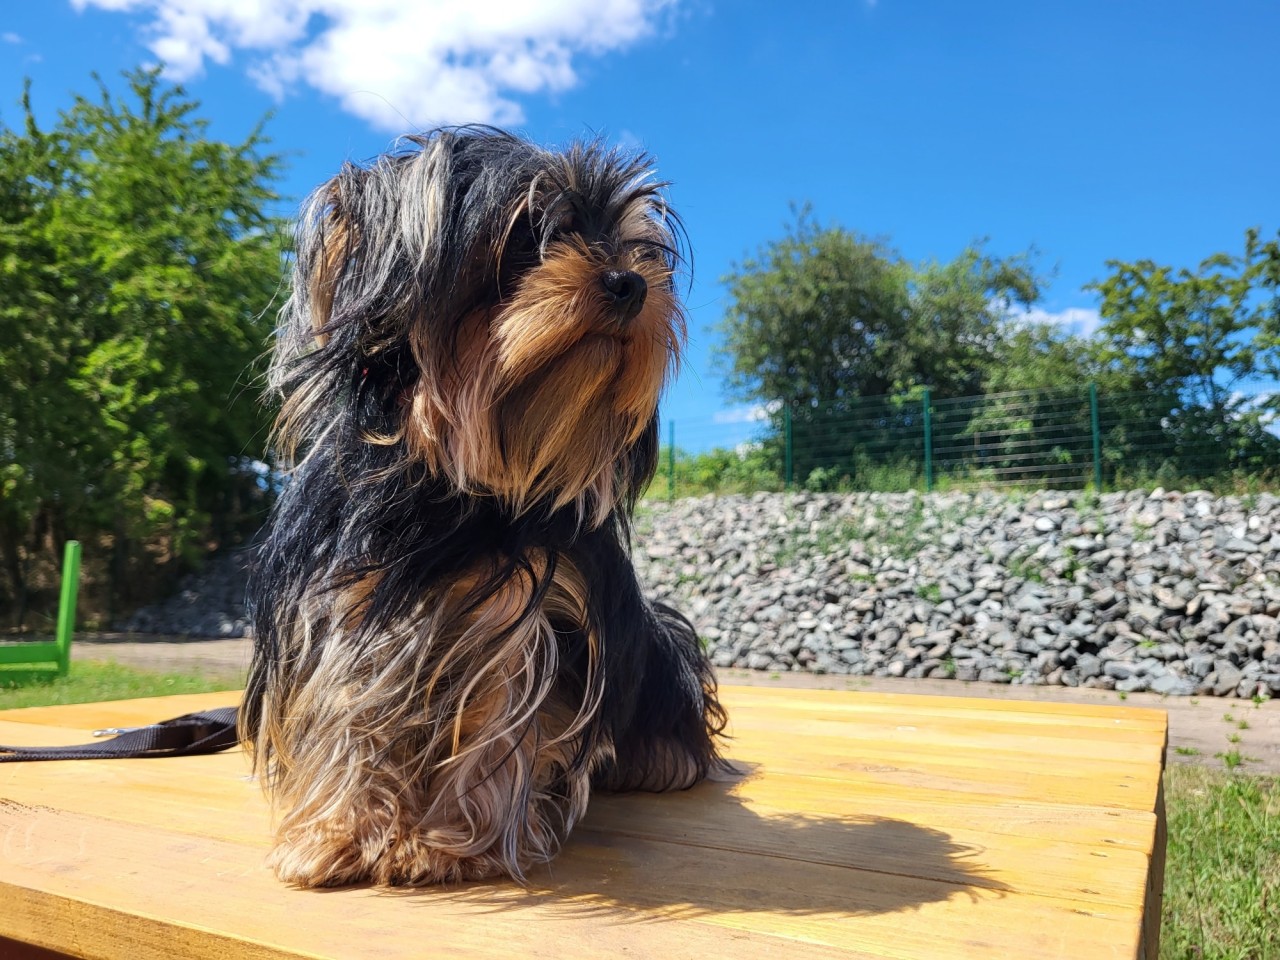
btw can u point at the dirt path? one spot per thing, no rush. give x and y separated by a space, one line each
1198 726
220 659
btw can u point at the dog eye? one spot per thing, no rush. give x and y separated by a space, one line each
650 253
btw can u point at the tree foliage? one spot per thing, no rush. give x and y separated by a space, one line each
822 319
960 328
1180 345
813 317
840 338
1202 331
137 258
822 315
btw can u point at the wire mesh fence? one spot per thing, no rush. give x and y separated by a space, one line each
1056 439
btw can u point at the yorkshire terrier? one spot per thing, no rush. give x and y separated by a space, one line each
452 648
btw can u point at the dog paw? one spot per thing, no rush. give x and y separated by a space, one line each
320 859
333 860
415 862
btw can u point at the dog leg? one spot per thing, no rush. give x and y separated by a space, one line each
669 742
433 754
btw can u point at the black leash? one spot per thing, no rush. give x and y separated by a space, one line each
194 733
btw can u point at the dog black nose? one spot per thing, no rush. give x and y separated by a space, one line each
626 289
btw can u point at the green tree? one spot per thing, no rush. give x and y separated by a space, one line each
137 258
823 325
960 328
814 317
1193 339
1202 331
1038 355
1029 419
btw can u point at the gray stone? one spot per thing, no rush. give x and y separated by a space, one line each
1104 597
1088 666
1226 677
1171 685
1132 685
1239 545
1028 603
1119 670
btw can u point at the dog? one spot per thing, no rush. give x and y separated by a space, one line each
452 649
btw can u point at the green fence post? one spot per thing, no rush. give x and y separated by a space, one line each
671 459
787 461
1097 438
67 604
928 443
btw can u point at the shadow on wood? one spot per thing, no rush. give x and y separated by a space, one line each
649 855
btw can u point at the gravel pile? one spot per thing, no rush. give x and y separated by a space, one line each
209 603
1172 593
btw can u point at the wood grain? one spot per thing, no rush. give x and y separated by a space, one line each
862 826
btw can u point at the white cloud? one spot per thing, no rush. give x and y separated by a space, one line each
397 63
753 414
10 38
628 140
1082 321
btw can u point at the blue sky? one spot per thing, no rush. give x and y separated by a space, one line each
1091 130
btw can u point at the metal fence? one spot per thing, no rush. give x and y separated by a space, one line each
1059 439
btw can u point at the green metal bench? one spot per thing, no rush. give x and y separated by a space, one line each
50 656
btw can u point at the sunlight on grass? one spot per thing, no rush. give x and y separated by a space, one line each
89 682
1222 882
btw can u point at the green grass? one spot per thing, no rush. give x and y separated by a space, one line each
89 682
1231 759
929 591
1222 880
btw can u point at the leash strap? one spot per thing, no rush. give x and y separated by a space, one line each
194 733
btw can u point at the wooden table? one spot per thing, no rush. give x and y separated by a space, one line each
870 826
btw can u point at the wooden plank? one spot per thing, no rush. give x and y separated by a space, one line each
1029 770
1030 777
1153 901
600 898
781 701
777 793
755 816
885 839
1036 713
124 791
122 713
868 782
1122 741
904 827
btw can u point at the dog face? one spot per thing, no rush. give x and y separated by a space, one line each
505 314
